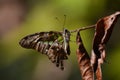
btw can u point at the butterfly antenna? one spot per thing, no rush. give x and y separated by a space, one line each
57 19
64 21
60 22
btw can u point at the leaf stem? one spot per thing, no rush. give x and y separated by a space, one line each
83 28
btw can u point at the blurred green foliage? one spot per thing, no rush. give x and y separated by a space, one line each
17 63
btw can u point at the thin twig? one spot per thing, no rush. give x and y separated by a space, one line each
83 28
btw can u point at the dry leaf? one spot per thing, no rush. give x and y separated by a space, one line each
103 31
83 60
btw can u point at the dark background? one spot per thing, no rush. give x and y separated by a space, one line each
19 18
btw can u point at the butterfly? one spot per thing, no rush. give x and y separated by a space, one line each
53 44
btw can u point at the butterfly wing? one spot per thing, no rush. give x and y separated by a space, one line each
57 54
47 43
36 41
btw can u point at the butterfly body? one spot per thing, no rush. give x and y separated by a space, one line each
66 37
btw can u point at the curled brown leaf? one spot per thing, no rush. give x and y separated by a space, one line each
104 28
83 60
